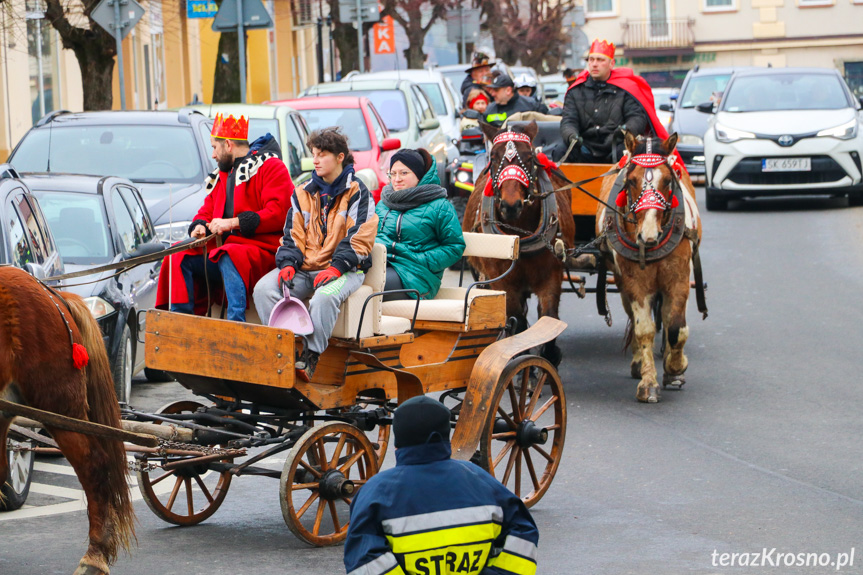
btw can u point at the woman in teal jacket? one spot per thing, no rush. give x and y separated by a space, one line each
418 226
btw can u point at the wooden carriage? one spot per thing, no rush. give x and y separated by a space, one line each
508 409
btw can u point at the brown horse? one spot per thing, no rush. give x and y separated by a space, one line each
37 331
514 196
652 240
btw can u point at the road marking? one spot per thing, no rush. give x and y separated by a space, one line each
56 491
53 468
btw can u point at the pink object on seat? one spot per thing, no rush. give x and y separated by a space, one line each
291 314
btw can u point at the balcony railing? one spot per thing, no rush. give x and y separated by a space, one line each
658 37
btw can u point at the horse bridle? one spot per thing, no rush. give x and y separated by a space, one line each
513 166
650 197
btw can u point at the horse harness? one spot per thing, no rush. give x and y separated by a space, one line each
539 187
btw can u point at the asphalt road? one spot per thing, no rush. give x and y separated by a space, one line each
760 451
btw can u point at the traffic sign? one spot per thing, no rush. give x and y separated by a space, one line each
369 10
130 13
254 16
201 8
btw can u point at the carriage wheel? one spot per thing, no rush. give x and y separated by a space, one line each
185 495
15 488
523 444
322 474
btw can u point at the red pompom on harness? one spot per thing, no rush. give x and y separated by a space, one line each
546 163
80 357
488 191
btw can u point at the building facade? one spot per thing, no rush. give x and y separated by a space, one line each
169 60
662 39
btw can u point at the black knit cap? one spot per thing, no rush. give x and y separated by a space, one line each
418 420
412 159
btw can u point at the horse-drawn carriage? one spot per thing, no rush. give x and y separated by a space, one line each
508 407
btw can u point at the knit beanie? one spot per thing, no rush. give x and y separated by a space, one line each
412 159
418 419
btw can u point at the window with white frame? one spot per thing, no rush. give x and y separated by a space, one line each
719 5
601 7
806 3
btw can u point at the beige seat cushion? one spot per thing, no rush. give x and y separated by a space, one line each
349 315
448 305
391 325
490 246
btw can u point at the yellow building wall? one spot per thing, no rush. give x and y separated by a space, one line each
177 73
209 42
258 62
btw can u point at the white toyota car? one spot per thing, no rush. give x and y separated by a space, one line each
781 132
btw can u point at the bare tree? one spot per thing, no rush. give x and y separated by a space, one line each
536 38
409 14
94 48
226 79
345 37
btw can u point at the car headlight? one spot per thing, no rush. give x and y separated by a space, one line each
690 140
173 232
98 307
845 131
462 176
727 135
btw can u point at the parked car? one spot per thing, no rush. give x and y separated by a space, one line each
96 221
784 131
663 99
554 87
439 90
25 242
285 124
368 136
700 85
165 154
405 110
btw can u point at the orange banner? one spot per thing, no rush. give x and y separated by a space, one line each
384 36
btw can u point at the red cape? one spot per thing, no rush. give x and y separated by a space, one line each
638 88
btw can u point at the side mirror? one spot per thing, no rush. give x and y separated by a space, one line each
369 178
150 247
472 114
666 107
390 144
307 165
429 124
705 107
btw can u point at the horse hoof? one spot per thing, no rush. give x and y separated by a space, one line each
648 395
672 381
635 370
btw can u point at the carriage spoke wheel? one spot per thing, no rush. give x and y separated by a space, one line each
185 495
322 474
523 443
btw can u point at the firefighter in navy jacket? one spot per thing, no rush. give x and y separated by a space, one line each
432 515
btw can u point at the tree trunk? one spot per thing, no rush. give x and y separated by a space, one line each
345 38
226 81
96 62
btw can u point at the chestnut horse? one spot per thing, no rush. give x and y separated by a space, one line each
652 241
515 196
37 331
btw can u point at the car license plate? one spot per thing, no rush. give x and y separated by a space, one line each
786 165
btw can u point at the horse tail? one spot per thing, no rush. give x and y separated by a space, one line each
102 408
10 342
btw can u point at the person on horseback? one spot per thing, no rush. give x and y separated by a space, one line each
598 104
508 102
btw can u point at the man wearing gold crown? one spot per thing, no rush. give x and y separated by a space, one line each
248 199
600 101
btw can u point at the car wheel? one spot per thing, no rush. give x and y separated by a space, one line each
121 367
16 486
714 204
157 375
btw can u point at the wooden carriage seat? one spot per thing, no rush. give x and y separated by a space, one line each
374 322
486 308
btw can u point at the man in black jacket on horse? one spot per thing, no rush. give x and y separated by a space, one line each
595 109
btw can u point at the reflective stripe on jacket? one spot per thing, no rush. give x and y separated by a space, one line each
432 515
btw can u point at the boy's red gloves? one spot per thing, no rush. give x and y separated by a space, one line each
327 276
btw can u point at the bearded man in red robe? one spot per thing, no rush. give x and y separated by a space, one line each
246 206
